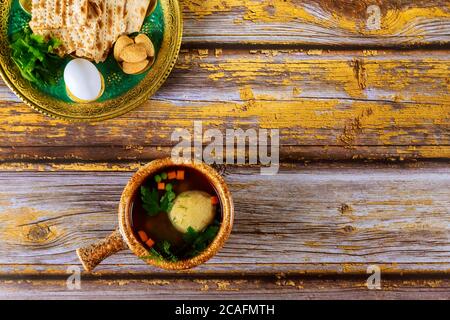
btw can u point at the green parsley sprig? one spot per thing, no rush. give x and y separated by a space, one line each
151 202
195 243
199 241
35 56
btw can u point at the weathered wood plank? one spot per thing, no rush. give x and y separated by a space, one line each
224 288
310 219
313 22
117 158
327 105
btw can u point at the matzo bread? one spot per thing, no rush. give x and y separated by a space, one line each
136 10
110 27
87 28
80 12
37 12
78 26
52 14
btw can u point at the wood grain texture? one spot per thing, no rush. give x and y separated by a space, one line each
225 288
327 105
124 158
317 22
307 233
325 220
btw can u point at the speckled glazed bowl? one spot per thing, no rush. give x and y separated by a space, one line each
124 237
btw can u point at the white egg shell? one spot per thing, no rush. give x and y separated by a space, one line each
83 80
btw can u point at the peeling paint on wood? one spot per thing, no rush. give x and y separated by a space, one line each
249 70
237 288
335 101
348 217
317 22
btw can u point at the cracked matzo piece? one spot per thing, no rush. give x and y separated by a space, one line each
87 28
136 11
38 14
110 27
52 14
76 13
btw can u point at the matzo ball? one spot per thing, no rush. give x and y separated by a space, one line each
192 209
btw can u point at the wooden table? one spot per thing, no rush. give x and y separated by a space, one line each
360 91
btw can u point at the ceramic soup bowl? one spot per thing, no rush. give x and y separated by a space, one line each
124 237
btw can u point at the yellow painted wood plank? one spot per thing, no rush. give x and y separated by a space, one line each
324 22
341 218
333 102
236 287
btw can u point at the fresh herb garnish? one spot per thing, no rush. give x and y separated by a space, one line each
166 251
35 56
153 255
162 251
152 204
167 201
150 201
190 235
195 243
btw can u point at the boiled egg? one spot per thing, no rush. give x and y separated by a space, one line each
84 83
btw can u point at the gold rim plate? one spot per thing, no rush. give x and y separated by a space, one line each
96 111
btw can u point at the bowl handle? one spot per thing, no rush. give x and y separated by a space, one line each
90 256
